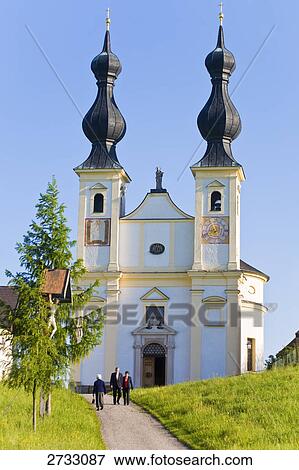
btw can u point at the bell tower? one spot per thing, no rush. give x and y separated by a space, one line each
103 180
218 175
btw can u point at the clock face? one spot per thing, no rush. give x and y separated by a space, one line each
215 230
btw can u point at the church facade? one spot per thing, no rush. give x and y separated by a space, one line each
179 302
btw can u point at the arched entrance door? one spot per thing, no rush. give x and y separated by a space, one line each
153 365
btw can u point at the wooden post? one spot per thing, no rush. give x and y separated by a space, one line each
49 404
42 404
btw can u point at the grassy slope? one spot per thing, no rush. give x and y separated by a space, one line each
253 411
73 424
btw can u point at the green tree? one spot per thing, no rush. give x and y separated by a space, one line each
270 362
39 361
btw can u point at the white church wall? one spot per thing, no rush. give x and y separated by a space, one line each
156 233
210 291
132 314
92 365
214 257
125 351
252 322
137 237
252 288
130 238
213 352
213 338
184 244
214 312
179 322
97 257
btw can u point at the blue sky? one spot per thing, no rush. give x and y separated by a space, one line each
163 86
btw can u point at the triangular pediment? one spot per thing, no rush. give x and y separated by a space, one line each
154 294
157 206
154 331
98 186
216 184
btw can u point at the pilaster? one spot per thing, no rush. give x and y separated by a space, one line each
115 214
112 323
195 333
197 264
170 360
81 221
234 235
233 332
137 362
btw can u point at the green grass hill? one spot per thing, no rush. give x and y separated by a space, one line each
252 411
72 425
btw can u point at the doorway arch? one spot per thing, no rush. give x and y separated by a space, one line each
154 365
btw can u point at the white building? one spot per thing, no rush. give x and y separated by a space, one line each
180 304
8 298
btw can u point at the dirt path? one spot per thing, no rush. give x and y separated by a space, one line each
130 427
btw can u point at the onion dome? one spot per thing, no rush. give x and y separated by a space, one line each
219 122
104 124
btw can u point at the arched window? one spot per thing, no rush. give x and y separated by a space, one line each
154 349
98 203
216 201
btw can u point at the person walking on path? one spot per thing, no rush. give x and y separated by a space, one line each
99 389
116 382
127 386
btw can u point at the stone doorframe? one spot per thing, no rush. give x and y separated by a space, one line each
144 336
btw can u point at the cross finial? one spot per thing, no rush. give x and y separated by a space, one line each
221 15
108 21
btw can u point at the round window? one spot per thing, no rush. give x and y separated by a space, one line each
157 249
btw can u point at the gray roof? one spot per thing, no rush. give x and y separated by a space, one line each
250 269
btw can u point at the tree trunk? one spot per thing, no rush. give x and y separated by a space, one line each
49 404
42 404
34 406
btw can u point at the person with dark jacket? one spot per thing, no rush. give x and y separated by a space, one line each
116 382
127 386
99 389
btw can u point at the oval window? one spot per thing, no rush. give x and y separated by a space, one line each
157 249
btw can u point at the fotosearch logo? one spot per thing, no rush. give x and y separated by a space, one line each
185 313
